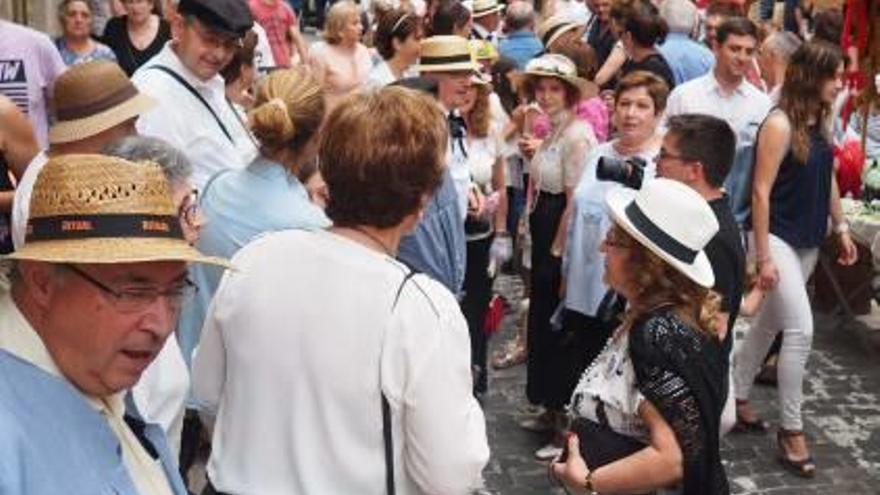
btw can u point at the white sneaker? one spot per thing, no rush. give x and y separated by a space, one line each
548 452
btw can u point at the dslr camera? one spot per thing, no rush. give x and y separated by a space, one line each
630 171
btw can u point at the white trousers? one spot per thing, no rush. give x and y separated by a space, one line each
785 309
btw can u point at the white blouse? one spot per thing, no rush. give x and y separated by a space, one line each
298 343
559 161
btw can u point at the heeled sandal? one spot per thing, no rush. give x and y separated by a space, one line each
805 468
742 425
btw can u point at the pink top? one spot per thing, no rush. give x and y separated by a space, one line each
595 112
343 70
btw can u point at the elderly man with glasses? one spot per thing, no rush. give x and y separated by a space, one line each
91 298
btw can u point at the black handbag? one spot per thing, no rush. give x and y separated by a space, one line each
601 445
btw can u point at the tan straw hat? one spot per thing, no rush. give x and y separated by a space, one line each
92 97
554 27
100 209
479 8
447 54
560 67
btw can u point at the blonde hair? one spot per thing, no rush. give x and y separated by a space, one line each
480 116
289 109
337 18
658 283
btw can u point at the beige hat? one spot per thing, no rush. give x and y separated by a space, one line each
447 54
554 27
92 97
100 209
560 67
479 8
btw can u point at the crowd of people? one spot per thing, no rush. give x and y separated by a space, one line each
219 238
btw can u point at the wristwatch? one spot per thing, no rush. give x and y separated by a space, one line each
588 484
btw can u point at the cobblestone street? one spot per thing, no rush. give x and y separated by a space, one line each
841 413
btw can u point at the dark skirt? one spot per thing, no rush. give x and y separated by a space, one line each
544 343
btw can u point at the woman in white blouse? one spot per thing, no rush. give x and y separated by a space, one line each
323 356
555 169
397 41
485 231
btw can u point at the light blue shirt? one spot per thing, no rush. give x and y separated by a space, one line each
437 245
521 46
687 58
240 205
583 264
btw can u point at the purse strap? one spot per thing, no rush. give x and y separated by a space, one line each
183 82
386 407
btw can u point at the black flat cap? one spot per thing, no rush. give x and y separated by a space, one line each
231 17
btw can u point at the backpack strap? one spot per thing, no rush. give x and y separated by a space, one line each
183 82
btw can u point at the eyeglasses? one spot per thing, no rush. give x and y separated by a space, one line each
138 300
665 155
189 208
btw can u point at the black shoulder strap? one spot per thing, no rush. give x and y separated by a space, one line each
177 77
386 410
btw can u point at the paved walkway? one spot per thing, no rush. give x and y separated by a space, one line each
841 411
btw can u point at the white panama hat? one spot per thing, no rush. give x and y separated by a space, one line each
672 220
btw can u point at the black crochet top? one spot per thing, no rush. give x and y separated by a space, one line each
681 372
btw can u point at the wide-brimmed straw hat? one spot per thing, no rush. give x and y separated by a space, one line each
672 220
446 54
100 209
92 97
560 67
554 27
479 8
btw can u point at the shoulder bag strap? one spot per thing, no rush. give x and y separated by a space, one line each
386 410
177 77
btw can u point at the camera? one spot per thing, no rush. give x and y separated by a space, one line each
630 171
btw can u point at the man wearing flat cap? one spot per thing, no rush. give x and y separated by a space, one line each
91 298
193 114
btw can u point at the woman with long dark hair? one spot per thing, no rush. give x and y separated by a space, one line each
793 195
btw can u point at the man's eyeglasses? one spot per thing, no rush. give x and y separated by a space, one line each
139 299
212 39
665 155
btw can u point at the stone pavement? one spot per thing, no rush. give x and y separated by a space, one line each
841 412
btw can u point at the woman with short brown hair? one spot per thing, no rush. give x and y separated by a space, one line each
341 354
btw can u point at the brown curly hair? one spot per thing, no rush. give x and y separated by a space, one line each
658 283
480 116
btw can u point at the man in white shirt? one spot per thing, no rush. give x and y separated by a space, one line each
193 113
726 94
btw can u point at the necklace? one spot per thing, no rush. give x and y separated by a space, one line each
375 240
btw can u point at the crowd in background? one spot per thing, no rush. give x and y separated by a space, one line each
316 314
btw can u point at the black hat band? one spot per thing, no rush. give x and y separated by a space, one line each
83 110
71 227
656 235
552 31
451 59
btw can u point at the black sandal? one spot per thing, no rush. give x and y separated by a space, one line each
757 426
805 468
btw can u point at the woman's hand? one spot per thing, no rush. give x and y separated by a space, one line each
849 254
768 275
573 472
529 145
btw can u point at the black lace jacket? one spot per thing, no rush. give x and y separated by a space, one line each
680 371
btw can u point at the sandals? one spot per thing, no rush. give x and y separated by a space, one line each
757 426
512 356
805 468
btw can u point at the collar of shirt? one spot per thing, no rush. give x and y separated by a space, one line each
482 32
715 86
21 340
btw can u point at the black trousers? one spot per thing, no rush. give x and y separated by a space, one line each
477 294
543 367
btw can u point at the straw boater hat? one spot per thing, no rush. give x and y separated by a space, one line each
446 54
479 8
92 97
560 67
554 27
99 209
670 219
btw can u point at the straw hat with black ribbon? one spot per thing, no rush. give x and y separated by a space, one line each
672 220
447 53
91 98
100 209
480 8
554 27
559 67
